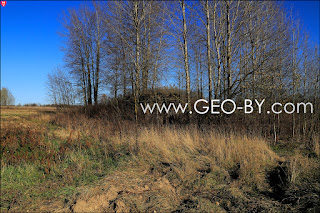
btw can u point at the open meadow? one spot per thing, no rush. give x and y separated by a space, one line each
63 160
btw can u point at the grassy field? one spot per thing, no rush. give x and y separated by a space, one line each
62 160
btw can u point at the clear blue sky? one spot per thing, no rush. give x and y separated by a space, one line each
31 47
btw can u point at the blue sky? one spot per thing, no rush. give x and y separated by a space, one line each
31 47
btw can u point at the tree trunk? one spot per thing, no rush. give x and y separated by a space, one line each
185 51
208 50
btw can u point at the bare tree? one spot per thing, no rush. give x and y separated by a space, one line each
60 88
6 97
185 52
85 32
209 48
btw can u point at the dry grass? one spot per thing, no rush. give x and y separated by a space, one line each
24 111
66 150
170 164
316 144
186 149
300 167
26 116
189 150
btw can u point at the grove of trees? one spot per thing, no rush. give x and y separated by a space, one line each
221 49
212 49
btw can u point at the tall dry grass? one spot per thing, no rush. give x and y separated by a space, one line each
188 151
73 149
316 144
300 167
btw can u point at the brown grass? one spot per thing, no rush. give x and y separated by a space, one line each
24 115
24 110
300 167
168 164
189 150
185 149
316 144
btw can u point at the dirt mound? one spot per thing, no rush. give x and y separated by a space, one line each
128 191
97 202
